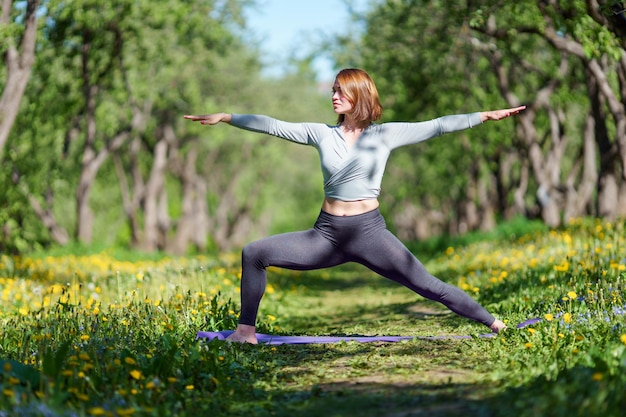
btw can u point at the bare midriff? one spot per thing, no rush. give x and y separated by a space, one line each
348 208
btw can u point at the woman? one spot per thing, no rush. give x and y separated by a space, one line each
350 227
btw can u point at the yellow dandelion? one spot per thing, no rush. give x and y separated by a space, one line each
82 397
125 411
129 360
7 392
136 374
549 317
572 295
528 345
97 411
567 318
189 387
564 267
623 338
7 366
531 331
84 337
597 376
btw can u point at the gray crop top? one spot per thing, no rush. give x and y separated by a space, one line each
355 173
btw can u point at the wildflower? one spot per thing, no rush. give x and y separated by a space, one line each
7 366
189 387
549 317
84 337
125 411
567 318
572 295
136 374
528 345
531 331
623 338
564 267
597 376
7 392
129 360
97 411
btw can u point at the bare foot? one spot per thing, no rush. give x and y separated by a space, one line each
497 326
244 334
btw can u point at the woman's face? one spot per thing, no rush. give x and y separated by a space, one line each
341 105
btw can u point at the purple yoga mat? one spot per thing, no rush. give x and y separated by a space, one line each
295 340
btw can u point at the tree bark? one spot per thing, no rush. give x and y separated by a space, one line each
154 191
193 224
18 67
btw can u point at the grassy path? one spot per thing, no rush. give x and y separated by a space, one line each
414 378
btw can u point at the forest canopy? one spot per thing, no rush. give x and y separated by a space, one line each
94 148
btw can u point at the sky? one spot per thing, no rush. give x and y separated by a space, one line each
285 25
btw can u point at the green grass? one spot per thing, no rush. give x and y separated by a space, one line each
113 333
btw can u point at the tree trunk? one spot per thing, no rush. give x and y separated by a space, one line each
578 202
18 67
193 225
154 191
57 232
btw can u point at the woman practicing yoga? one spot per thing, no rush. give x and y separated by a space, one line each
350 228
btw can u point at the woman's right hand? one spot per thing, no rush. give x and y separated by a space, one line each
209 119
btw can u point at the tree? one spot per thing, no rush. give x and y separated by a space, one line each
18 60
562 59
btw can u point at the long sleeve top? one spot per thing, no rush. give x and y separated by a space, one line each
355 172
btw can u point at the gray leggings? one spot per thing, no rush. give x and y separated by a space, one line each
335 240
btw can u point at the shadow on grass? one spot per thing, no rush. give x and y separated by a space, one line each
418 318
351 379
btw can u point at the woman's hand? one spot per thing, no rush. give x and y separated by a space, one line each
500 114
209 119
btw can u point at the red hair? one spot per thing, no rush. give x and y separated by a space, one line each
359 88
